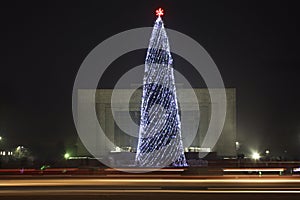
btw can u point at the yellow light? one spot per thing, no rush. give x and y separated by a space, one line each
255 156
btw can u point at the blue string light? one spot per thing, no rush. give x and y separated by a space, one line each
160 141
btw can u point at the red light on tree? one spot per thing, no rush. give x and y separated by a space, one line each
159 12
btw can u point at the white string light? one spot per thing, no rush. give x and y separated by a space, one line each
160 141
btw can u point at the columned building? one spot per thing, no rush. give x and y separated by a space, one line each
113 119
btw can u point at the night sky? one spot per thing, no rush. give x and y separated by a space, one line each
255 45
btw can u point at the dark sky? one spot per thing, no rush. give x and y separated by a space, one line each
255 45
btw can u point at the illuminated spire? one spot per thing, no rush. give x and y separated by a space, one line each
160 142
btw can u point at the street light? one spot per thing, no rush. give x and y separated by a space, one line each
67 156
237 145
255 156
0 138
267 152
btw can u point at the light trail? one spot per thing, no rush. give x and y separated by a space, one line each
91 192
145 181
254 170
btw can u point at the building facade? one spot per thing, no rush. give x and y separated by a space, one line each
116 119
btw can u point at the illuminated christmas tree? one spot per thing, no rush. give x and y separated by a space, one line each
160 142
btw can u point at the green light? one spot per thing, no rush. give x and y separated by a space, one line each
67 156
44 167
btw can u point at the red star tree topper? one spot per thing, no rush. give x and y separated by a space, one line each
159 12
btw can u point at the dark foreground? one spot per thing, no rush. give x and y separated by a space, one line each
150 187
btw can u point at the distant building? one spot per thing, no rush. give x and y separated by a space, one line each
226 145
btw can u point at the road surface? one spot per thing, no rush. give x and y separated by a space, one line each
149 187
